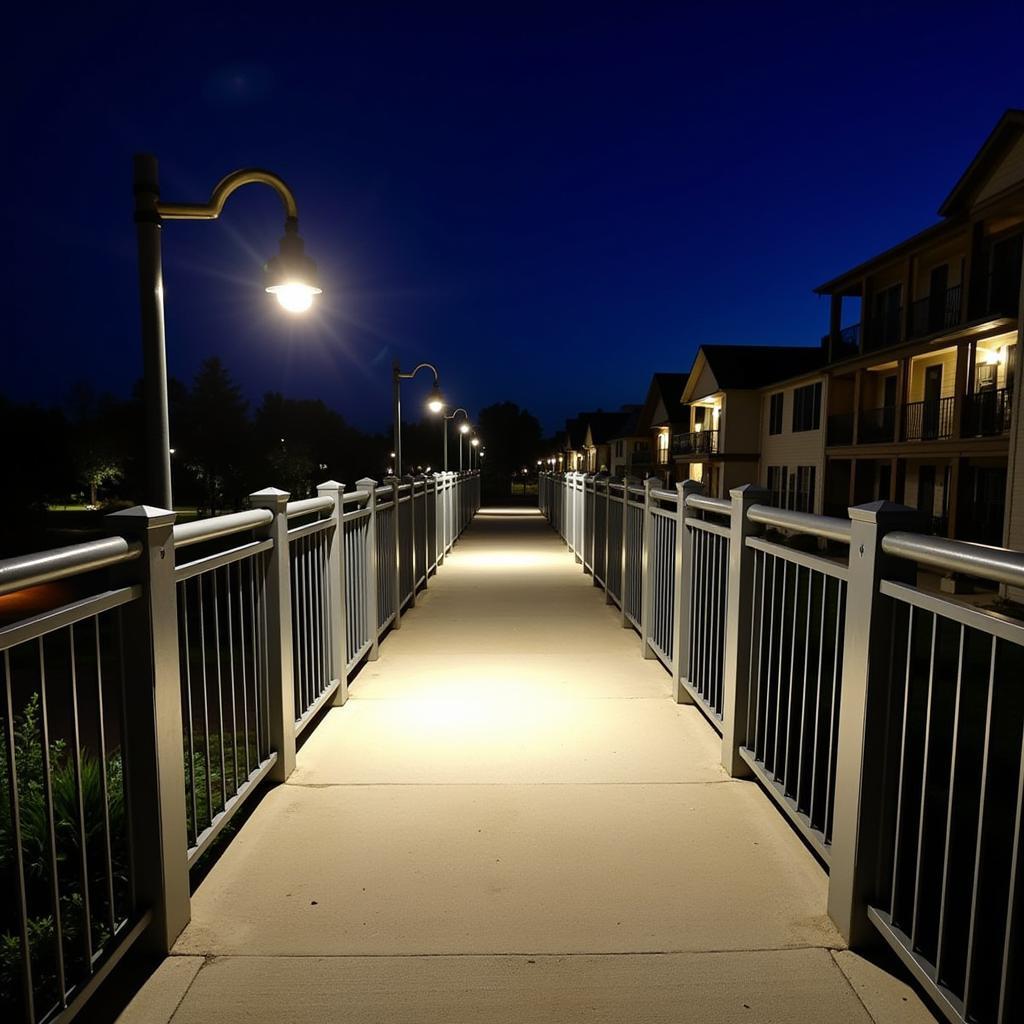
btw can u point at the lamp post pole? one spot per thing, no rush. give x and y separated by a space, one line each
447 418
396 401
291 276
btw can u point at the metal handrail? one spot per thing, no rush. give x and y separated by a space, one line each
701 502
59 563
827 527
220 526
1000 565
663 495
307 506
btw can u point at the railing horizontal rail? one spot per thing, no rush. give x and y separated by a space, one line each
702 503
826 527
198 566
996 564
307 506
186 534
59 563
66 615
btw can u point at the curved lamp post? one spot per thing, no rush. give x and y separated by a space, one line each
464 428
290 276
435 403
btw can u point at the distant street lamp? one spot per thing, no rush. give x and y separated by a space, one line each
475 444
435 403
463 428
290 276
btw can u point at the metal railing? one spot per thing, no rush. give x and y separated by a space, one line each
987 413
885 720
695 442
174 672
931 420
936 312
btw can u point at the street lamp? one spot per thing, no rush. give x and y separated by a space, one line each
290 276
463 428
475 442
435 403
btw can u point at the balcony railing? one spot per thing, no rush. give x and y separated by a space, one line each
883 330
696 442
936 312
930 420
877 426
840 428
996 294
987 413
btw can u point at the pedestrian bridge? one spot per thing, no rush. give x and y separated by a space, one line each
676 759
509 820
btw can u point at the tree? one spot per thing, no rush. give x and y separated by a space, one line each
513 438
214 433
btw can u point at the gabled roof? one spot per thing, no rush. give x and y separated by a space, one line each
1006 134
747 367
605 426
663 403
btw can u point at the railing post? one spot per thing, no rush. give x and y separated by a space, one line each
607 536
681 581
336 590
396 540
425 554
153 741
646 573
277 593
861 737
373 613
738 611
623 554
411 480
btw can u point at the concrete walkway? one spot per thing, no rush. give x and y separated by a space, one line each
512 821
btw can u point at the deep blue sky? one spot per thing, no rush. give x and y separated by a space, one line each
551 205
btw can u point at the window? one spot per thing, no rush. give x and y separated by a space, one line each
777 486
803 497
775 413
807 407
618 449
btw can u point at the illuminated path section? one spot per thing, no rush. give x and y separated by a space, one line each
511 820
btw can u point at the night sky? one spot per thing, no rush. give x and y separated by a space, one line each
549 204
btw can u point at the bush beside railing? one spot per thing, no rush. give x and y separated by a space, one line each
886 721
137 719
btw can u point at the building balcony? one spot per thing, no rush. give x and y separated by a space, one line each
877 426
695 442
931 420
937 312
839 430
987 413
883 330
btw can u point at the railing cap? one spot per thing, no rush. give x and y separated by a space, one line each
143 516
884 512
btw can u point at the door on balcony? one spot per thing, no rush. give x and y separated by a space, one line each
987 493
939 281
932 402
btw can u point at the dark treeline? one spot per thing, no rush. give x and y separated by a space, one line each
89 453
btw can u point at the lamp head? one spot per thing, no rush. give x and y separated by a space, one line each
475 442
291 274
463 428
435 403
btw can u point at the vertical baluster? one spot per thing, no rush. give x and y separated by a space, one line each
27 987
104 783
231 678
206 710
186 658
83 855
241 660
220 691
51 831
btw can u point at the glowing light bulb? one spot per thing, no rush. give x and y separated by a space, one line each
464 429
435 405
294 296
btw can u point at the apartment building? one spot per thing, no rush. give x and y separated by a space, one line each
662 415
792 447
921 404
722 442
